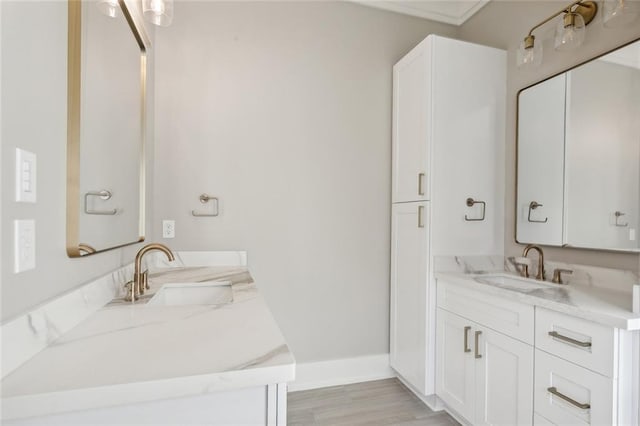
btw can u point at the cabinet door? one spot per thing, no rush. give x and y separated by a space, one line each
409 261
467 149
455 363
503 380
411 97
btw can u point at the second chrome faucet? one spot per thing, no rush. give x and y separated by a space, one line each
139 284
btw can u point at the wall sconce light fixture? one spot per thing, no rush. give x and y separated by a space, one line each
569 32
618 13
158 12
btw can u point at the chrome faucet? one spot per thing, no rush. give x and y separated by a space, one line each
525 268
140 283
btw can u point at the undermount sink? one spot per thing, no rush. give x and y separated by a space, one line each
512 282
210 293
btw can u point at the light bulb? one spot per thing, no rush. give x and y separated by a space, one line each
158 12
618 13
529 53
157 6
111 8
570 31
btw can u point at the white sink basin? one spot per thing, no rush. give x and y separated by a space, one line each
512 282
210 293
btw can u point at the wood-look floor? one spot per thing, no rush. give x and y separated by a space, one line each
377 403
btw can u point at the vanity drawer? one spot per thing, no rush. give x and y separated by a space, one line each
568 394
506 316
538 420
585 343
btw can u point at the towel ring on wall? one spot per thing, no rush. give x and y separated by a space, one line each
532 206
470 203
617 215
104 195
204 198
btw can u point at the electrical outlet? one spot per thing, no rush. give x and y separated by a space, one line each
168 229
25 176
24 245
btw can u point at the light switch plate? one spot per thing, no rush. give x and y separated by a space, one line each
24 245
25 176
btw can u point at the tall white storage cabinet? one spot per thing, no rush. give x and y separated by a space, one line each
448 183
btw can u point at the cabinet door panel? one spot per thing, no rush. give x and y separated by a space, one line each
455 366
504 380
411 97
409 260
468 148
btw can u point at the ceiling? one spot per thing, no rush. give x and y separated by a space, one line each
454 12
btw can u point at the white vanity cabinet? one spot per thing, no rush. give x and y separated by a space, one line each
448 185
586 373
484 375
256 406
504 362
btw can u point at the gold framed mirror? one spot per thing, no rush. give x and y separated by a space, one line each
578 156
105 128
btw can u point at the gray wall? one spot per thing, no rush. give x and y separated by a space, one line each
504 24
283 110
34 117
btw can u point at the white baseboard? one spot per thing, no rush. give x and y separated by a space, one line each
313 375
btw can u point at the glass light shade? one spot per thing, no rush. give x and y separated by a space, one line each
618 13
569 32
111 8
158 12
529 57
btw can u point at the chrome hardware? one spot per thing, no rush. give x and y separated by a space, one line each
420 216
204 198
552 390
104 195
477 350
140 281
470 203
540 272
466 339
532 206
618 214
559 336
420 183
557 275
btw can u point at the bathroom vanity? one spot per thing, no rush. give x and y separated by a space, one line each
200 347
519 351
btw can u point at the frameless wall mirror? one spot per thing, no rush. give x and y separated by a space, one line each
579 156
106 121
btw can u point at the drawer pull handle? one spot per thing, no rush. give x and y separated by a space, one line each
420 180
477 351
554 391
559 336
466 339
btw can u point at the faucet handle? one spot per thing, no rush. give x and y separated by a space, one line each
130 292
557 275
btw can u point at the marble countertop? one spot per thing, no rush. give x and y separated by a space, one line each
601 305
129 353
